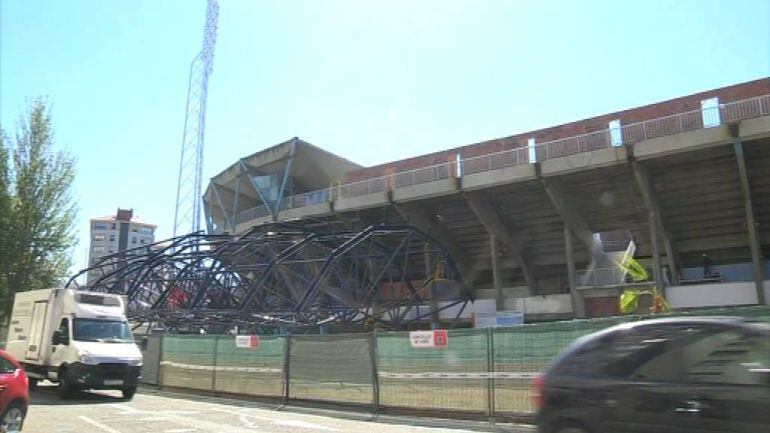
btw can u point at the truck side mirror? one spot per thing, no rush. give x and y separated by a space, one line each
59 338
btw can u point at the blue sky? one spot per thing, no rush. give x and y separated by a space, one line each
371 81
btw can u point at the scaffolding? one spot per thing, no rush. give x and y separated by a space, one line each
285 277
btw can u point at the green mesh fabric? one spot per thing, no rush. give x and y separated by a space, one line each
483 371
331 367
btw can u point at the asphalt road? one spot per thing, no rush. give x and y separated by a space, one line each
105 412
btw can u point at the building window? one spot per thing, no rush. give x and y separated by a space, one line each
98 249
100 226
112 238
145 230
99 237
133 240
114 226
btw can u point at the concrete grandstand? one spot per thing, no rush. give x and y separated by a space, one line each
536 221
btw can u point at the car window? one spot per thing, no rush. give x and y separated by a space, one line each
685 353
6 366
671 353
728 358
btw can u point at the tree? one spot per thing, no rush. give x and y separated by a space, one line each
5 214
39 228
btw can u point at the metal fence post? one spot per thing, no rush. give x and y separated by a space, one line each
214 367
373 355
490 377
160 360
286 364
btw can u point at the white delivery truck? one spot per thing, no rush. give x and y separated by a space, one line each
80 340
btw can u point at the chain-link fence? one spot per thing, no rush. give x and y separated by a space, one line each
486 372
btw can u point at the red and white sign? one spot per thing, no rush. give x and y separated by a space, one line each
247 341
427 339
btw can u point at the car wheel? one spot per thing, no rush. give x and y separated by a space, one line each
65 389
13 418
128 393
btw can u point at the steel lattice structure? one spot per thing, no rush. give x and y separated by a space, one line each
187 213
284 276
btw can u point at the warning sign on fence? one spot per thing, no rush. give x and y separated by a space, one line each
426 339
247 341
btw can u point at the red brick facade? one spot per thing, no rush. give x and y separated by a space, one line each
648 112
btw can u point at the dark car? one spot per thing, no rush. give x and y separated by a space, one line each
666 375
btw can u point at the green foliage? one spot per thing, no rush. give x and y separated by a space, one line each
634 269
37 208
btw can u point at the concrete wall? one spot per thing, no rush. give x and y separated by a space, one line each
549 304
733 272
714 295
647 112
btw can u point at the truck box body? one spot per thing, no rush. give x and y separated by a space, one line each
84 334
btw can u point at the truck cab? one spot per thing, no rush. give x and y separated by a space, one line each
80 340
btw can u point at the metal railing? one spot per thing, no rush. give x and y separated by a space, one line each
601 277
626 134
250 214
306 199
431 173
630 133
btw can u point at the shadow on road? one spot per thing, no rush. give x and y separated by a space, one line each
45 394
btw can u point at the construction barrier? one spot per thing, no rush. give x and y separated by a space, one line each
486 372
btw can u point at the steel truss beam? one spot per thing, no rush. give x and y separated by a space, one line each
284 275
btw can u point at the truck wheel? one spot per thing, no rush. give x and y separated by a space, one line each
13 418
65 389
128 393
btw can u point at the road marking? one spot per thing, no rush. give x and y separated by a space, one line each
98 424
180 430
243 416
303 424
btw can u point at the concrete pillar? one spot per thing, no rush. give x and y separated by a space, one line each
496 282
428 273
751 225
657 271
578 303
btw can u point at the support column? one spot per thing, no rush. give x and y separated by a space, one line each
578 304
505 234
751 225
656 269
237 198
433 301
651 203
496 282
420 218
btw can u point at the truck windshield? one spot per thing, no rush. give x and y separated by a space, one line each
105 331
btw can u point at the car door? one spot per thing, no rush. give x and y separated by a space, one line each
8 376
644 390
728 374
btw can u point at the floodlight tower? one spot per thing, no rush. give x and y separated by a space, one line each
187 214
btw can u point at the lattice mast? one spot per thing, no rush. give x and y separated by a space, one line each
187 214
